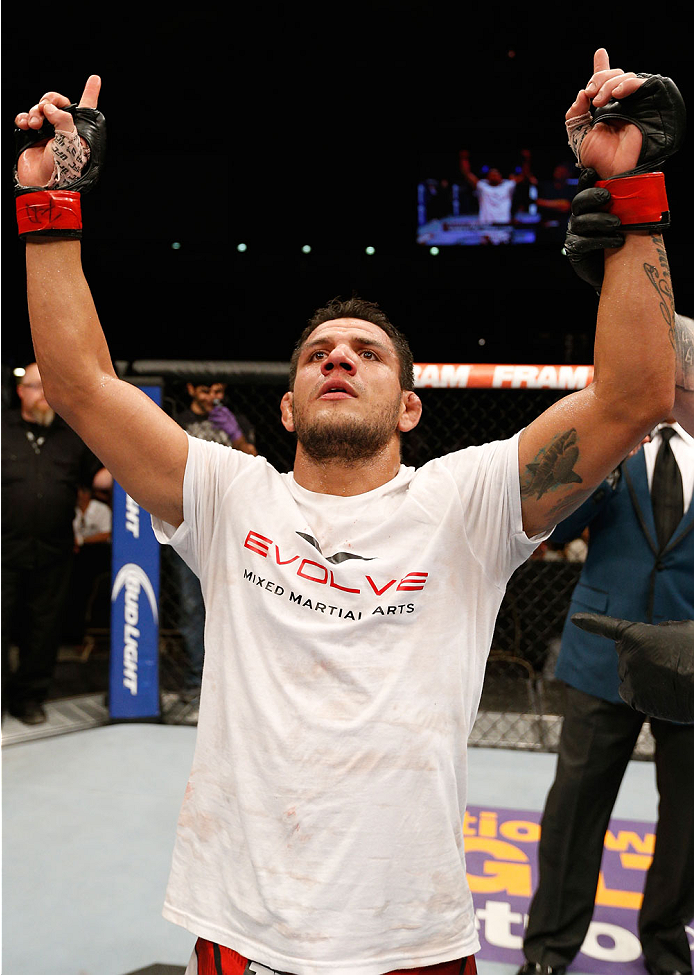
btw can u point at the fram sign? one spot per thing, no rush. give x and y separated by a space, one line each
501 856
465 375
134 669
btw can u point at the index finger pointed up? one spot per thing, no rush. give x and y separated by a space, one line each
90 95
601 60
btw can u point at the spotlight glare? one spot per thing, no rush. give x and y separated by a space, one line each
306 249
19 372
175 246
370 250
433 250
481 341
242 247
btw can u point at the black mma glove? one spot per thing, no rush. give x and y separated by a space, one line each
55 210
637 198
657 109
656 663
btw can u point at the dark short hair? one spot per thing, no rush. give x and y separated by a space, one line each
367 311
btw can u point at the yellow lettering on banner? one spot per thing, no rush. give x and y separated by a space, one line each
605 897
522 832
488 824
512 878
626 839
635 861
469 824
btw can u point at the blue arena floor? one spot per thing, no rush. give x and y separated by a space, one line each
88 827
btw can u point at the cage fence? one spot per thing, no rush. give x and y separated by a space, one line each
521 703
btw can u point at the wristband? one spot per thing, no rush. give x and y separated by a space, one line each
49 213
639 201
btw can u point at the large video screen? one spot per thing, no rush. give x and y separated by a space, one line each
477 197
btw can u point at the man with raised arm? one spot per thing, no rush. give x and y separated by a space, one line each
351 603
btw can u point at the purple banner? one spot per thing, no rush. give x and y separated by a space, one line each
501 854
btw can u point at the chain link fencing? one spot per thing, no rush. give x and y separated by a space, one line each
521 703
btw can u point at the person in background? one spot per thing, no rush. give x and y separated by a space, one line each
43 463
553 201
93 519
497 196
494 192
639 566
683 410
656 661
206 419
92 564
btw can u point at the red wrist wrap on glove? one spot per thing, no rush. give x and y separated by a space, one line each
49 213
639 201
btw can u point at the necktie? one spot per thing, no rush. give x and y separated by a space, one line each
666 490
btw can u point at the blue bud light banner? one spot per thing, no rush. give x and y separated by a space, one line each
134 673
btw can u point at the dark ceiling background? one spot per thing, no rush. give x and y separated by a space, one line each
291 124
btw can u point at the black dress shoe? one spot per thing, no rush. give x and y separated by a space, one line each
534 968
28 712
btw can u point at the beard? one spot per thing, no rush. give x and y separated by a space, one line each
42 416
346 438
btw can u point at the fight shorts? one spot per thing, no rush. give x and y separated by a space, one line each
213 959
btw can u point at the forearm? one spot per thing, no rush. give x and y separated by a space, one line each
635 344
69 343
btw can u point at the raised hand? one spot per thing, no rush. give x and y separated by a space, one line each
35 165
609 149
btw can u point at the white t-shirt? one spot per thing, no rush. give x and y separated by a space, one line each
495 200
345 649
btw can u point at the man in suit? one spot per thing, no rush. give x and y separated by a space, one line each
638 571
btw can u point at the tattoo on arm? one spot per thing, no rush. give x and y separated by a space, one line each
681 329
552 468
659 276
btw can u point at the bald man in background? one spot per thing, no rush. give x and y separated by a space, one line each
43 461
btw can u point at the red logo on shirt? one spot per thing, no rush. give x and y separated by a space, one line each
317 572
